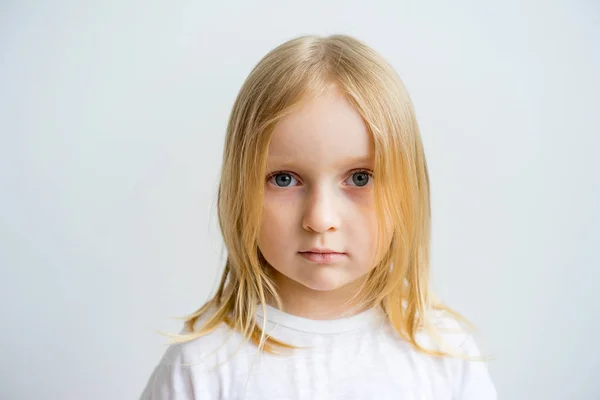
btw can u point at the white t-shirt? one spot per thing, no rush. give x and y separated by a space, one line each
356 357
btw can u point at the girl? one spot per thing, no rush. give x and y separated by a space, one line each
325 212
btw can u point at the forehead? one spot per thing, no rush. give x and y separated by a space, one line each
325 130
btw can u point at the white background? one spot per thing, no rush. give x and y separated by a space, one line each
113 115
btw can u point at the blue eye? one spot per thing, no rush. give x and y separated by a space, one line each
361 178
282 179
286 179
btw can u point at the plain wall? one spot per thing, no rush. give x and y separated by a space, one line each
112 120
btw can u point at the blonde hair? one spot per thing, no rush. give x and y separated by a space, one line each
287 77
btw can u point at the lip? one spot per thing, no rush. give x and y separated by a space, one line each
323 257
321 250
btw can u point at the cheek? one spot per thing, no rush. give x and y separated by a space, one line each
277 228
370 231
364 212
386 239
364 233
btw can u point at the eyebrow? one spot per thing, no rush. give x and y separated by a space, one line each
284 162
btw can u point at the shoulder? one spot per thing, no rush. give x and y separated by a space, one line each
446 332
189 365
468 368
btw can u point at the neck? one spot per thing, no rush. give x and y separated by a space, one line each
304 302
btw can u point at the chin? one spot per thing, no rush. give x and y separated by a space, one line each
320 279
324 284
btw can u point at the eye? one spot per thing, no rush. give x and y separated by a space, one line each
361 178
282 179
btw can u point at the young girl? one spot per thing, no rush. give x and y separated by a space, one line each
325 213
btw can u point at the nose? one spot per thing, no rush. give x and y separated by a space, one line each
322 211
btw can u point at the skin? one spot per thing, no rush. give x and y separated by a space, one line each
319 193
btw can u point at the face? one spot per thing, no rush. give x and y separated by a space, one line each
319 195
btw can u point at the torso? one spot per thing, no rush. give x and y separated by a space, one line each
361 359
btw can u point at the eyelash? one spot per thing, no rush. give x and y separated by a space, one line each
274 174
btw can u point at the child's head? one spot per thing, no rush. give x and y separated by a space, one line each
323 151
323 114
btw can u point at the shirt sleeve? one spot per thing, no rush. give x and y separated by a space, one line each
473 381
171 379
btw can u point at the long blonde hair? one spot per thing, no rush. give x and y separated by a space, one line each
288 76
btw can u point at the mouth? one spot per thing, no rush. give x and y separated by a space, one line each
322 257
